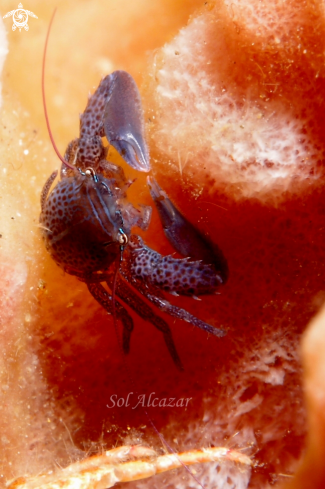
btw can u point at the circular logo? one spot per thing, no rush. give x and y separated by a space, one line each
20 18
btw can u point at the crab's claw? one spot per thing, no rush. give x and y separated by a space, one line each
184 237
123 121
115 111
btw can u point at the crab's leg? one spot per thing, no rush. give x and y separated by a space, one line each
154 295
184 315
124 292
185 238
105 300
115 110
46 189
127 295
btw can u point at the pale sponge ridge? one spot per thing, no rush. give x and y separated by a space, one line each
242 133
3 51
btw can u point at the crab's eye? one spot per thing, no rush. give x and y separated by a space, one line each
122 237
90 172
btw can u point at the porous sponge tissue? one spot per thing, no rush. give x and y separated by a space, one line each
244 131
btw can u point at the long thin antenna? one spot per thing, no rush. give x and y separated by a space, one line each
44 100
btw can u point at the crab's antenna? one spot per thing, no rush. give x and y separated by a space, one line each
115 276
44 100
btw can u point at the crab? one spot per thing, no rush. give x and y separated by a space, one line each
87 221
